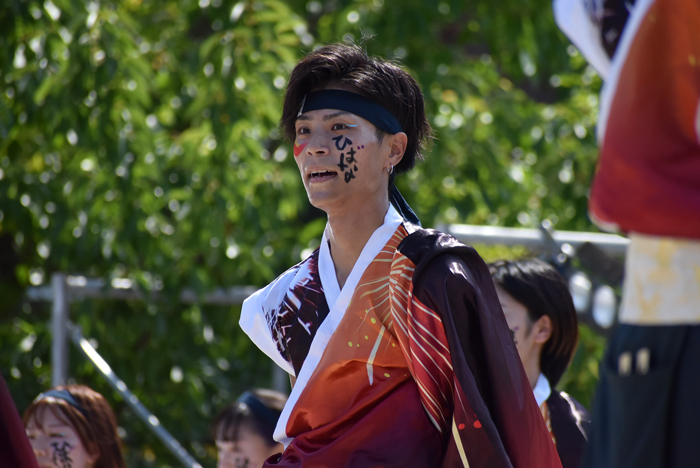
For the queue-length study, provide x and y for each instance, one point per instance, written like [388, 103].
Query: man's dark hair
[542, 290]
[350, 68]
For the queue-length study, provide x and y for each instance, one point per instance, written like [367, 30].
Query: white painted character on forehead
[55, 442]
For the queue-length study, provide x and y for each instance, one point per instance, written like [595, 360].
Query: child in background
[243, 431]
[73, 426]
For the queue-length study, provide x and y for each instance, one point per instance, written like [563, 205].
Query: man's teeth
[322, 173]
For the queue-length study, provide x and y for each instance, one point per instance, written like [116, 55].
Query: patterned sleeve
[492, 418]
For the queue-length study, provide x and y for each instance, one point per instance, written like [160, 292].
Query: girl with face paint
[243, 431]
[73, 427]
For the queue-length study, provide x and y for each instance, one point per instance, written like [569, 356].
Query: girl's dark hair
[94, 422]
[542, 290]
[349, 67]
[239, 414]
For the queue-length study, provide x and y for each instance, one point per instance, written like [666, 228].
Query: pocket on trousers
[638, 417]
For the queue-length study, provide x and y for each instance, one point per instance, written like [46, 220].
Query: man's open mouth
[322, 174]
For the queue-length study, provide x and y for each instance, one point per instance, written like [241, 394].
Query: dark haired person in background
[73, 426]
[243, 431]
[386, 326]
[541, 316]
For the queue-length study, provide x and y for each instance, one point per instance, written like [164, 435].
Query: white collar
[542, 390]
[326, 267]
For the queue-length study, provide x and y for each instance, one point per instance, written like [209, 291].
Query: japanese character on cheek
[340, 144]
[351, 167]
[61, 455]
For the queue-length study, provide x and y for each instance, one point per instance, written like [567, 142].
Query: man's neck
[348, 234]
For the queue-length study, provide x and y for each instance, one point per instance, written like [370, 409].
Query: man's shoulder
[423, 244]
[436, 252]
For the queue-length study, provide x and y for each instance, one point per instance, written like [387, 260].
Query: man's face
[57, 445]
[341, 161]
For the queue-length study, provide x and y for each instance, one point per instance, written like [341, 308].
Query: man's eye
[339, 126]
[302, 130]
[57, 434]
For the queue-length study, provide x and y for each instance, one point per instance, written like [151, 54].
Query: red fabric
[648, 179]
[421, 371]
[389, 430]
[496, 416]
[15, 449]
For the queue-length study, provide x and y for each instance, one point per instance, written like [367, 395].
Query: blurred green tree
[139, 139]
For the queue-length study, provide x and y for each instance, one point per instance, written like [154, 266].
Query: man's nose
[318, 145]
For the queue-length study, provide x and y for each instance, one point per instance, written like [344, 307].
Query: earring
[390, 170]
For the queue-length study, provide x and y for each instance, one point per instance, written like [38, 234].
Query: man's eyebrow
[333, 116]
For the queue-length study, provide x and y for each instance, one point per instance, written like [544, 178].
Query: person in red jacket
[647, 411]
[393, 333]
[14, 446]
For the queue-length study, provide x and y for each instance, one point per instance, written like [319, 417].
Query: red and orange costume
[410, 364]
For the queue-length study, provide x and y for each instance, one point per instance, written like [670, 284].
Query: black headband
[65, 396]
[354, 103]
[268, 416]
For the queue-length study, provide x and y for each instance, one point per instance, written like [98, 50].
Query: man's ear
[542, 329]
[397, 144]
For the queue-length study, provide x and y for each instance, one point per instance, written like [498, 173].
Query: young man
[394, 334]
[541, 316]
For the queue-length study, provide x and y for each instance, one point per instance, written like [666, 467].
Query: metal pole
[59, 320]
[132, 400]
[532, 238]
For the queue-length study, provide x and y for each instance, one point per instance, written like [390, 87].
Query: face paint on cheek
[298, 148]
[61, 455]
[351, 167]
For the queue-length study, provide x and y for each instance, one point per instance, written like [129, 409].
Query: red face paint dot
[298, 148]
[477, 424]
[460, 427]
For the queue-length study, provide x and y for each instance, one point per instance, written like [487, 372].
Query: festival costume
[410, 365]
[647, 411]
[15, 449]
[567, 420]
